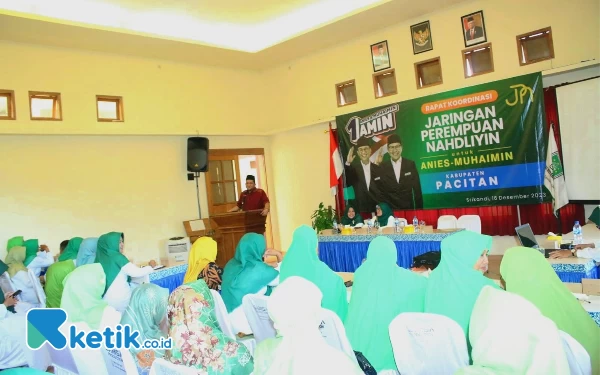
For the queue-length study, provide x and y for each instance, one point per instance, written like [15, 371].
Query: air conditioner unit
[178, 249]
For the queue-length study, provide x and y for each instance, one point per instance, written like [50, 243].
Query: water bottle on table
[335, 226]
[416, 224]
[577, 233]
[369, 226]
[397, 225]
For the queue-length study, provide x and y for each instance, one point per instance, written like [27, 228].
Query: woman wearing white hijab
[511, 336]
[299, 349]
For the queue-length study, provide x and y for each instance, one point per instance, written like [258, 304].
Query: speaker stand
[196, 177]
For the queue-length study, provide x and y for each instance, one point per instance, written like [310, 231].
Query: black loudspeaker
[197, 154]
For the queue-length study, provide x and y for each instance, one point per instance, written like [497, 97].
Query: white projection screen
[579, 116]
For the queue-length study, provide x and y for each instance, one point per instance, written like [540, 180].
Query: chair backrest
[63, 361]
[447, 222]
[403, 220]
[221, 313]
[38, 289]
[470, 222]
[333, 332]
[255, 309]
[579, 359]
[428, 344]
[6, 284]
[163, 367]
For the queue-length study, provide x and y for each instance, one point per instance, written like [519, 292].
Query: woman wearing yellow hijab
[201, 263]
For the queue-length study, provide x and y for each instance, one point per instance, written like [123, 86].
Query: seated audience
[37, 257]
[527, 273]
[13, 349]
[117, 268]
[380, 292]
[63, 246]
[147, 313]
[19, 275]
[510, 336]
[299, 348]
[385, 215]
[82, 300]
[55, 276]
[15, 241]
[87, 252]
[455, 284]
[589, 250]
[301, 260]
[201, 263]
[246, 273]
[351, 217]
[71, 250]
[198, 342]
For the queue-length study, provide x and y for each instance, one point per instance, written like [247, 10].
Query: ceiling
[227, 33]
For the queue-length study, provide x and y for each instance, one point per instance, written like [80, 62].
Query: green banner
[478, 146]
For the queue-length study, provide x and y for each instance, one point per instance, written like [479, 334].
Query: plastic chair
[447, 222]
[579, 359]
[255, 309]
[333, 332]
[428, 344]
[221, 313]
[470, 222]
[163, 367]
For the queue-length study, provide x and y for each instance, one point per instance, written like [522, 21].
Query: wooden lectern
[231, 227]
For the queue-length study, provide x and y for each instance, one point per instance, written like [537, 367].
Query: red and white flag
[336, 167]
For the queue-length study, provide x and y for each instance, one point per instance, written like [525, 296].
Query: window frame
[114, 99]
[56, 105]
[381, 73]
[10, 102]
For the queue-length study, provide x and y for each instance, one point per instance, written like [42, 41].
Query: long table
[169, 277]
[345, 253]
[572, 270]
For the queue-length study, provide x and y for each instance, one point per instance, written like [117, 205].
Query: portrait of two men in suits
[394, 181]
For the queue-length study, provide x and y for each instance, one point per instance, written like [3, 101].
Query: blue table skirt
[348, 256]
[169, 278]
[573, 273]
[595, 316]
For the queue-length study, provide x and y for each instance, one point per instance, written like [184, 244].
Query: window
[223, 181]
[346, 93]
[428, 73]
[109, 108]
[7, 105]
[478, 60]
[535, 46]
[45, 106]
[384, 83]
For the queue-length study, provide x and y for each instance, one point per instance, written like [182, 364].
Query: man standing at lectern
[253, 198]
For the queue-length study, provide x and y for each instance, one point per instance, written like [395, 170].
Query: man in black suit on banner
[363, 176]
[400, 179]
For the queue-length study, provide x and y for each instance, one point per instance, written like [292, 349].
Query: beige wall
[303, 90]
[299, 160]
[57, 187]
[160, 97]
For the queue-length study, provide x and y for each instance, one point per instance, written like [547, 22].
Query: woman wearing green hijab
[19, 275]
[351, 217]
[381, 291]
[82, 301]
[15, 241]
[527, 273]
[301, 260]
[453, 287]
[55, 276]
[147, 314]
[385, 215]
[510, 336]
[37, 257]
[246, 273]
[118, 269]
[71, 250]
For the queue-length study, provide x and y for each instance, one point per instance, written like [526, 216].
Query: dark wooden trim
[545, 35]
[234, 152]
